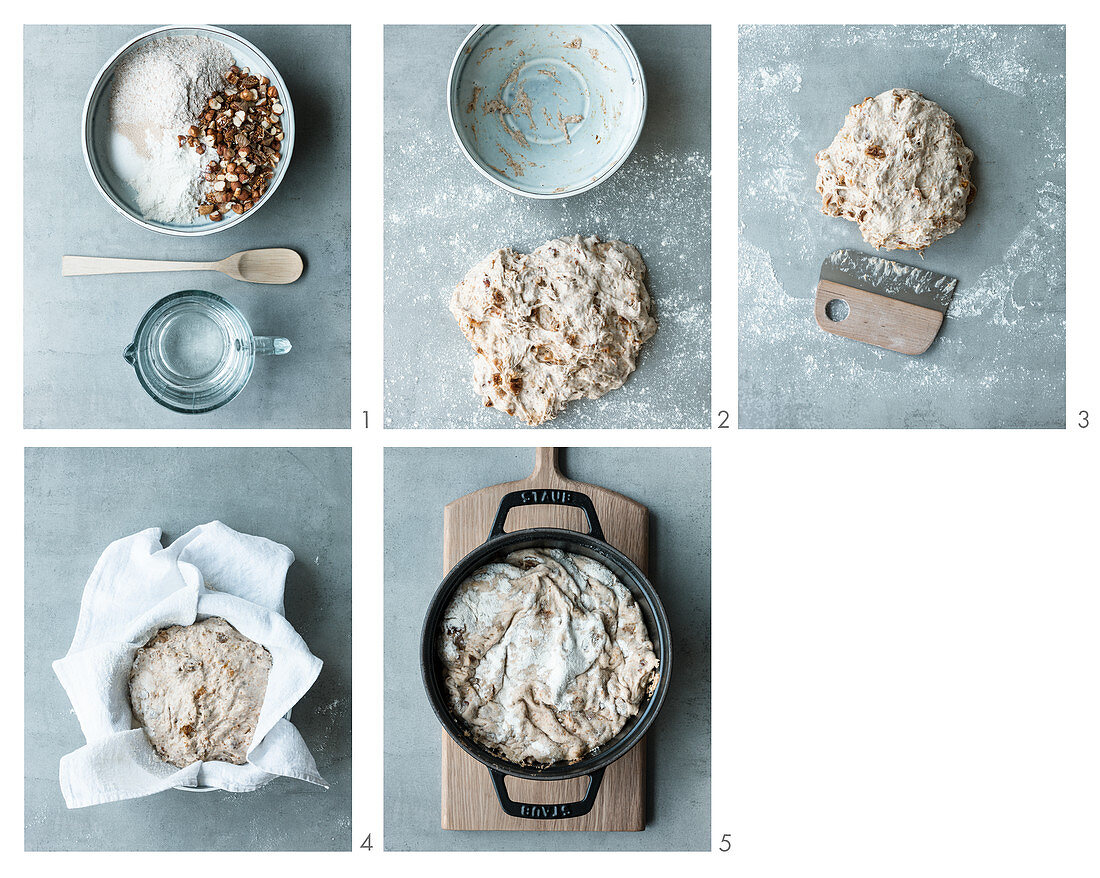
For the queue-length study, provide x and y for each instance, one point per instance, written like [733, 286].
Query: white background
[906, 645]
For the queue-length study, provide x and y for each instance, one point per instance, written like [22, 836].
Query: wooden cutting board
[468, 798]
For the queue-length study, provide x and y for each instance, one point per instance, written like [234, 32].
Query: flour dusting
[442, 217]
[1021, 287]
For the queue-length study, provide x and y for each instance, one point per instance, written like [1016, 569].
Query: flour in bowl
[158, 92]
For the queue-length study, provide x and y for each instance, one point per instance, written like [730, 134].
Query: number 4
[366, 844]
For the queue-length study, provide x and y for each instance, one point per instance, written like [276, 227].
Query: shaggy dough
[197, 691]
[899, 169]
[545, 656]
[565, 322]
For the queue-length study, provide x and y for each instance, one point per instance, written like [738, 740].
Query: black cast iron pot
[592, 545]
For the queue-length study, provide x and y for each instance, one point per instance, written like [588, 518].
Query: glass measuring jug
[193, 351]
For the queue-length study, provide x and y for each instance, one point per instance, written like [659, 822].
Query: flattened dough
[197, 691]
[562, 323]
[545, 656]
[899, 169]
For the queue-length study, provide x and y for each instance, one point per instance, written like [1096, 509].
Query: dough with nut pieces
[899, 169]
[197, 690]
[565, 322]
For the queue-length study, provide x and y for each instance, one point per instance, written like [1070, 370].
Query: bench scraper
[895, 306]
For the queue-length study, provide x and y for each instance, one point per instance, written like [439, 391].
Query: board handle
[547, 812]
[546, 465]
[547, 497]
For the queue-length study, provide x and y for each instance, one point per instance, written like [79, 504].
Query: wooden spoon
[275, 265]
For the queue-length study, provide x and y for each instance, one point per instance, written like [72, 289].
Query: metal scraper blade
[906, 283]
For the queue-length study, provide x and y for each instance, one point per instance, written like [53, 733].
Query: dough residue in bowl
[197, 690]
[545, 656]
[564, 322]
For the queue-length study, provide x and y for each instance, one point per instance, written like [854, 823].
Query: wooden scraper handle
[878, 320]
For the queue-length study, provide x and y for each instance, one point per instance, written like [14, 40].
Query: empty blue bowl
[546, 111]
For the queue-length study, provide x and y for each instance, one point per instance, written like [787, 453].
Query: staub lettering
[546, 812]
[558, 497]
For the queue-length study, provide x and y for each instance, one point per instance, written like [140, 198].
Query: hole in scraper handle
[836, 310]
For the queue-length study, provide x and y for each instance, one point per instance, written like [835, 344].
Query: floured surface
[545, 655]
[197, 690]
[441, 217]
[999, 360]
[564, 322]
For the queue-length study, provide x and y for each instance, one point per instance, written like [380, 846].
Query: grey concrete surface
[75, 329]
[675, 484]
[1000, 358]
[80, 499]
[442, 217]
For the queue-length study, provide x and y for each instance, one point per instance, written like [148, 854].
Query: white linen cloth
[137, 588]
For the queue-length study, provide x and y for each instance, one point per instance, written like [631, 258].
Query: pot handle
[547, 812]
[547, 497]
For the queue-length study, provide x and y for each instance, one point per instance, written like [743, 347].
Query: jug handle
[266, 345]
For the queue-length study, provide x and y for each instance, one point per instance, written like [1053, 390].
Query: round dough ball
[197, 690]
[899, 170]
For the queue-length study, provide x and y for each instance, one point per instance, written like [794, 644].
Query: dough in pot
[545, 656]
[899, 169]
[197, 691]
[564, 322]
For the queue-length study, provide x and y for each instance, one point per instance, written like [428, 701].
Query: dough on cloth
[564, 322]
[899, 169]
[197, 691]
[545, 656]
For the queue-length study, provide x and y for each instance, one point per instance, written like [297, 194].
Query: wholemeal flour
[158, 92]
